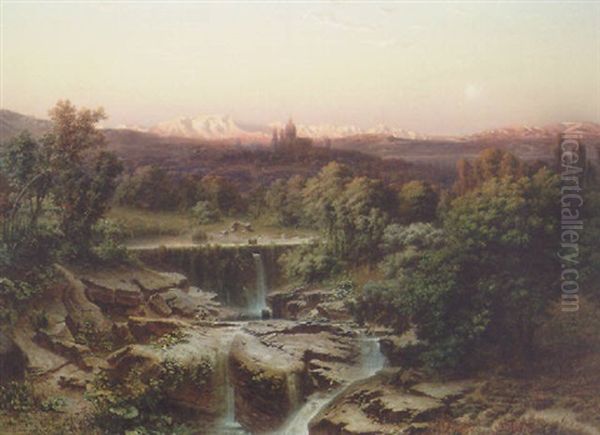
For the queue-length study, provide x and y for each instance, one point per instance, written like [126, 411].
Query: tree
[26, 174]
[222, 193]
[492, 281]
[150, 188]
[360, 219]
[84, 175]
[321, 192]
[418, 202]
[284, 200]
[490, 163]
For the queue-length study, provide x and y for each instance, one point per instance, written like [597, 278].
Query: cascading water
[371, 361]
[257, 302]
[227, 424]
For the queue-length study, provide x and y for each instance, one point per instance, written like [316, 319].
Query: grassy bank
[143, 223]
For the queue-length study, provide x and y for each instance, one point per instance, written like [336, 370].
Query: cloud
[382, 43]
[329, 19]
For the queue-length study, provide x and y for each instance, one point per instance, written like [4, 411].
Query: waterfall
[227, 425]
[293, 392]
[371, 361]
[258, 301]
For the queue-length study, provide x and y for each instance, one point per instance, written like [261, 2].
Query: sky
[433, 67]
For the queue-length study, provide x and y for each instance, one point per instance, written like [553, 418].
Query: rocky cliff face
[276, 364]
[387, 403]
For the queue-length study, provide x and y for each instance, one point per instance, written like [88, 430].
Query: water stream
[257, 302]
[371, 361]
[227, 425]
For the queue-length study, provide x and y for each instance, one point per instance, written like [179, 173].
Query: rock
[113, 290]
[262, 376]
[159, 305]
[13, 361]
[444, 391]
[122, 333]
[180, 302]
[61, 345]
[194, 381]
[81, 312]
[334, 310]
[301, 303]
[144, 328]
[171, 279]
[275, 364]
[377, 406]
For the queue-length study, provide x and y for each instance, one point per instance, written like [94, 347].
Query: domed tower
[290, 131]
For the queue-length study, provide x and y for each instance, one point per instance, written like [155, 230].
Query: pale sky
[431, 67]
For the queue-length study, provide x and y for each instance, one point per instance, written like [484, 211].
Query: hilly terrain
[219, 145]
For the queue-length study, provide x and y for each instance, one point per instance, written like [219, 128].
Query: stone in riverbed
[159, 305]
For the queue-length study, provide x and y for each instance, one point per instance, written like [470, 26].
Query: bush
[16, 396]
[309, 264]
[205, 213]
[380, 303]
[132, 405]
[109, 247]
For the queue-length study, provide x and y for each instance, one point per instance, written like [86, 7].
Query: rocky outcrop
[82, 314]
[127, 286]
[144, 329]
[308, 304]
[379, 405]
[186, 369]
[276, 364]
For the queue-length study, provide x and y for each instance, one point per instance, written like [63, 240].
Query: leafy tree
[360, 219]
[222, 194]
[84, 176]
[150, 188]
[418, 202]
[320, 194]
[284, 200]
[27, 182]
[494, 278]
[490, 163]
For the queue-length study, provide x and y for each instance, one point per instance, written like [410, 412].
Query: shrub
[309, 264]
[205, 212]
[132, 405]
[109, 247]
[16, 396]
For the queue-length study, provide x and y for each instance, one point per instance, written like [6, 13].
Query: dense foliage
[54, 192]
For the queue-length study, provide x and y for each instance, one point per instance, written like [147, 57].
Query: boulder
[81, 312]
[188, 372]
[305, 304]
[159, 305]
[113, 290]
[276, 364]
[265, 380]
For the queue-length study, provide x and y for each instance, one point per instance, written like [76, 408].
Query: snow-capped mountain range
[225, 127]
